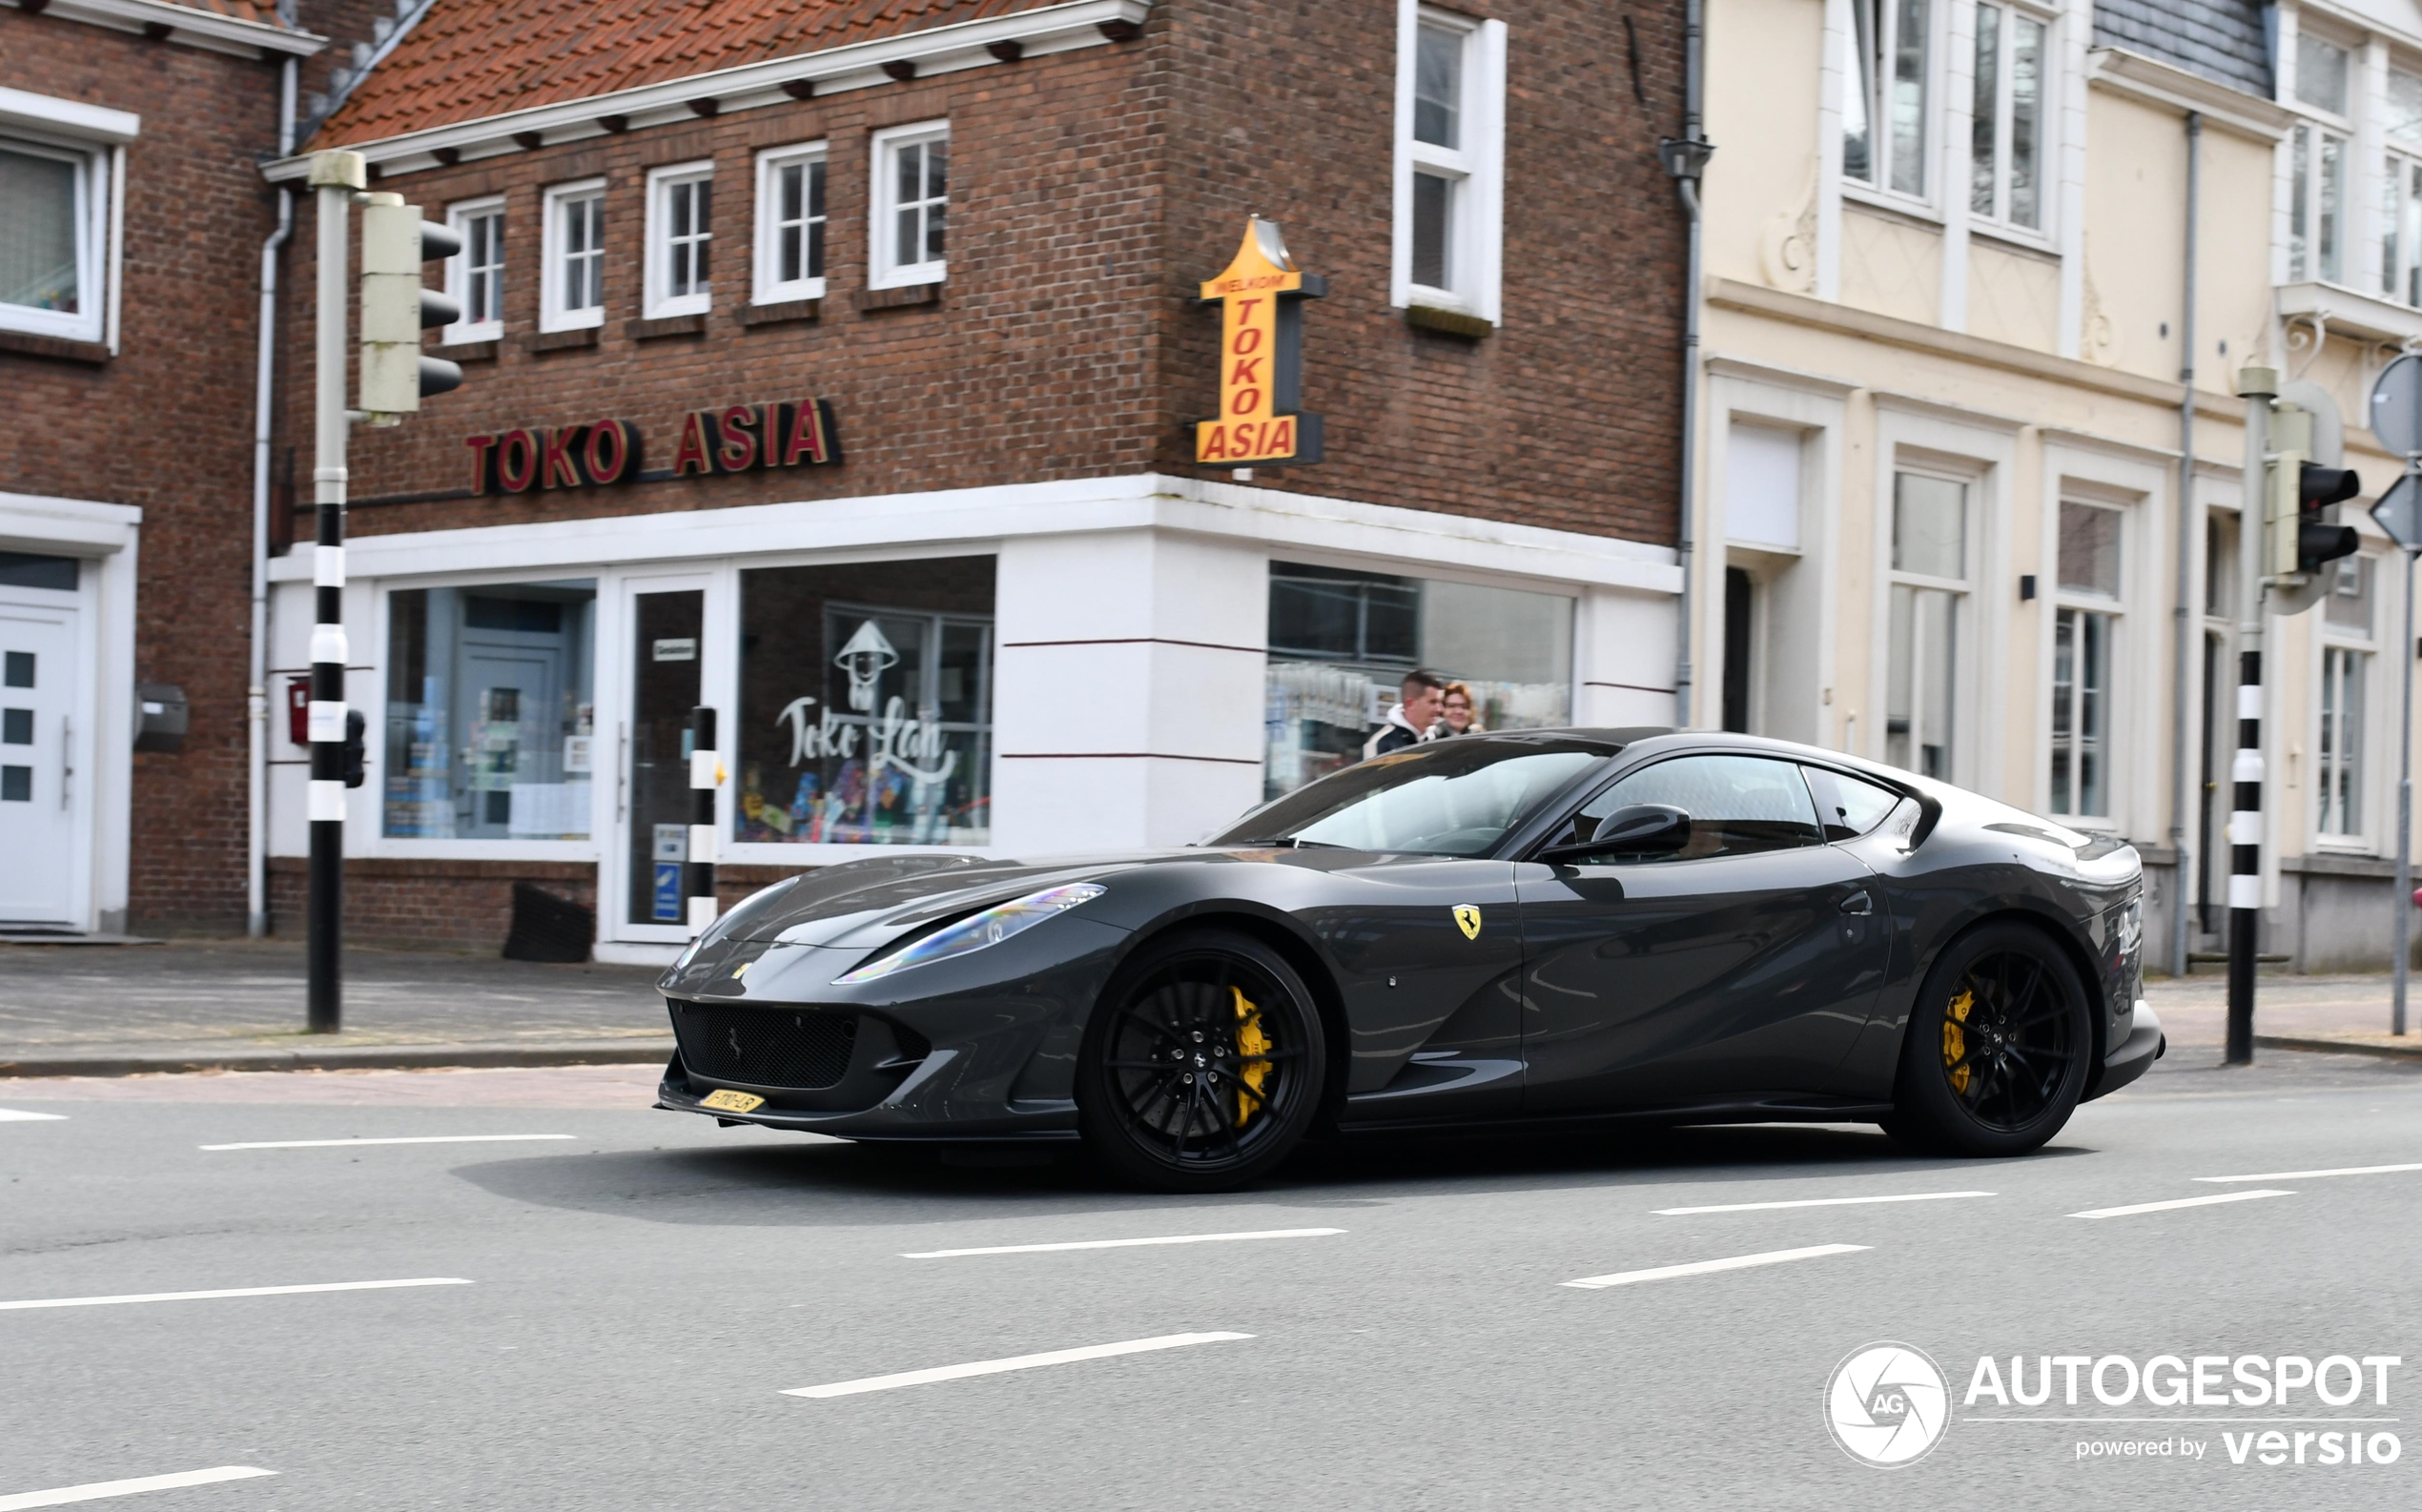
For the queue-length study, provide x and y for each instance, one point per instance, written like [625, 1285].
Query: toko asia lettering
[1261, 295]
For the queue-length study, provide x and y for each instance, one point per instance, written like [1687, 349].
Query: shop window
[53, 197]
[1887, 96]
[1341, 640]
[490, 727]
[2085, 621]
[2006, 157]
[573, 293]
[790, 223]
[1925, 623]
[681, 234]
[1451, 159]
[475, 276]
[912, 204]
[866, 703]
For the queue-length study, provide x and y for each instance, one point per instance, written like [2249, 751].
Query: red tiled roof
[468, 59]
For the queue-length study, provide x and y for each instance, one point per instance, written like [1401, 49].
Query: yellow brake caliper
[1250, 1042]
[1954, 1039]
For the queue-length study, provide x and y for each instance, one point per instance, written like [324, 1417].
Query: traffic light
[2318, 537]
[2302, 528]
[394, 308]
[356, 747]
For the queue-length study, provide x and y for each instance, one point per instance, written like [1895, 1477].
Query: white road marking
[1122, 1244]
[1822, 1202]
[95, 1490]
[417, 1140]
[994, 1367]
[18, 1116]
[235, 1290]
[2179, 1202]
[1737, 1262]
[2305, 1175]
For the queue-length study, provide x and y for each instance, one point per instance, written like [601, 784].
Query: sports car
[1550, 927]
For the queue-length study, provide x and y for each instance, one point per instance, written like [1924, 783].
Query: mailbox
[159, 717]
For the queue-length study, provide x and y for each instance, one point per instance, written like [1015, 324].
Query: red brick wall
[451, 905]
[166, 425]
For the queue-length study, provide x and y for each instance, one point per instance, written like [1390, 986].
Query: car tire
[2000, 1043]
[1203, 1065]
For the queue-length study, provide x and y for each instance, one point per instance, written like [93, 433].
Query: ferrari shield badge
[1468, 919]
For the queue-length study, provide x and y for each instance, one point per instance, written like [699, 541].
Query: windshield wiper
[1294, 843]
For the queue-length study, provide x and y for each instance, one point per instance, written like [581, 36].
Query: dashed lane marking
[233, 1291]
[1735, 1263]
[1122, 1244]
[2306, 1175]
[416, 1140]
[19, 1115]
[2174, 1203]
[1822, 1202]
[994, 1368]
[97, 1490]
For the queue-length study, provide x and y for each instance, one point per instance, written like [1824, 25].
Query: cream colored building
[1944, 507]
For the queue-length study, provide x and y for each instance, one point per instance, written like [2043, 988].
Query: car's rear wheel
[1998, 1047]
[1203, 1064]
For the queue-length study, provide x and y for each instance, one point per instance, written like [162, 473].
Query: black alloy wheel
[1997, 1049]
[1203, 1064]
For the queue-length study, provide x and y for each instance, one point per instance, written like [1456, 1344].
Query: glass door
[667, 646]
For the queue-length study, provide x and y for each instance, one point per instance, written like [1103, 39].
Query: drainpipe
[2190, 534]
[1685, 158]
[264, 394]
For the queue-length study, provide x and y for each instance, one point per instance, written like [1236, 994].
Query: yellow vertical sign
[1253, 354]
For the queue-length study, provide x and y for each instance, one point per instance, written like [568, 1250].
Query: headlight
[989, 928]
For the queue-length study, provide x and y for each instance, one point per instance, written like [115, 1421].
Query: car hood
[863, 904]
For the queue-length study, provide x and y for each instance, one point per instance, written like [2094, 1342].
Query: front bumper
[2145, 1044]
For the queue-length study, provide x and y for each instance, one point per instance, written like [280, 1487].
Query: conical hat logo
[866, 657]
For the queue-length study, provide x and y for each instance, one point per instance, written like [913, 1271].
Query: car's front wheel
[1203, 1065]
[1998, 1047]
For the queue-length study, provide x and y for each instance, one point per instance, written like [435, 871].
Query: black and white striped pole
[2256, 386]
[337, 176]
[706, 775]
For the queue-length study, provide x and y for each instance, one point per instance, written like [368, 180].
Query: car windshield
[1453, 798]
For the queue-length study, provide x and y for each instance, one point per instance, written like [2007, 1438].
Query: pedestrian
[1455, 714]
[1408, 721]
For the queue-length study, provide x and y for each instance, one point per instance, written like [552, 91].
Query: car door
[1745, 962]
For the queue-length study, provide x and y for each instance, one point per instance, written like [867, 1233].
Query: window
[2347, 655]
[53, 217]
[475, 276]
[679, 238]
[490, 728]
[1341, 640]
[911, 205]
[2085, 624]
[866, 703]
[1449, 160]
[1929, 600]
[1887, 95]
[2321, 73]
[790, 225]
[574, 293]
[2318, 165]
[1849, 805]
[1739, 806]
[2401, 191]
[2006, 159]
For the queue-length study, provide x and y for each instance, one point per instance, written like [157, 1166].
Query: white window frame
[2365, 644]
[1476, 167]
[551, 314]
[1996, 219]
[884, 269]
[94, 139]
[2302, 150]
[2066, 600]
[458, 270]
[1966, 653]
[769, 287]
[1934, 116]
[2401, 224]
[658, 303]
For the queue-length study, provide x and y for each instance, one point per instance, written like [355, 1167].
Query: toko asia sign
[1262, 297]
[735, 438]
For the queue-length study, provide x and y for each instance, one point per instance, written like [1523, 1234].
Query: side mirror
[1637, 830]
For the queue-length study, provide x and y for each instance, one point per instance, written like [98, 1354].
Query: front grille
[765, 1047]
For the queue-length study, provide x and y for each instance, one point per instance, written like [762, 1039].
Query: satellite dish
[2329, 431]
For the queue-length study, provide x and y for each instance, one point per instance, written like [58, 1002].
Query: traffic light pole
[2256, 386]
[337, 176]
[2404, 901]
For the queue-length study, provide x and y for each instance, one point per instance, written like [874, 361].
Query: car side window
[1739, 804]
[1849, 807]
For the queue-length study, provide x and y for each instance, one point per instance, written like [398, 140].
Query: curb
[2343, 1047]
[367, 1057]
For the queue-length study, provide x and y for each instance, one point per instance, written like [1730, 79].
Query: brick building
[837, 365]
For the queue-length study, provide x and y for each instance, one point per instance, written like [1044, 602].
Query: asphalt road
[626, 1308]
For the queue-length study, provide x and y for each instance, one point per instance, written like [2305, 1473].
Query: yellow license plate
[729, 1101]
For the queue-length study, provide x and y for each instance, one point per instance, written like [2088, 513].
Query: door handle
[1858, 902]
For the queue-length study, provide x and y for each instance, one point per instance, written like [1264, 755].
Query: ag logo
[1887, 1404]
[1468, 919]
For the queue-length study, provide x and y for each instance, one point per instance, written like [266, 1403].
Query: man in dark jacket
[1408, 723]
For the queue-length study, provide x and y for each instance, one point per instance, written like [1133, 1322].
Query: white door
[37, 784]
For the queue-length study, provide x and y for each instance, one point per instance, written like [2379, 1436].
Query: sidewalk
[237, 1005]
[2345, 1014]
